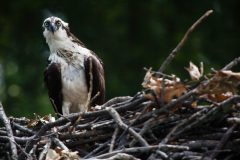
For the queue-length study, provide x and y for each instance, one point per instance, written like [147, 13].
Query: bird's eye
[58, 23]
[46, 24]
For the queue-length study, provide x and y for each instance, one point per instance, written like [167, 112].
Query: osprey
[73, 71]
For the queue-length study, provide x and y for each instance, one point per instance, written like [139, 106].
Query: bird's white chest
[74, 86]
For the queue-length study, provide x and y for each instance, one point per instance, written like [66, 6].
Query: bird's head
[54, 27]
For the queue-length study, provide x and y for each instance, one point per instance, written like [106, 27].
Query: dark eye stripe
[46, 24]
[58, 23]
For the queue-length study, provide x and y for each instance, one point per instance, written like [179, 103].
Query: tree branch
[122, 125]
[6, 123]
[184, 39]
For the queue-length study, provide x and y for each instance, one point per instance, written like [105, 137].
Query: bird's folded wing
[52, 79]
[98, 81]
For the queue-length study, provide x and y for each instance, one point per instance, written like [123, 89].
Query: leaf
[58, 150]
[173, 92]
[147, 79]
[32, 123]
[40, 120]
[52, 155]
[194, 72]
[47, 119]
[168, 88]
[69, 155]
[60, 154]
[221, 86]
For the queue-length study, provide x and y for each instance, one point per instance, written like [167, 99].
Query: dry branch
[122, 125]
[9, 132]
[184, 39]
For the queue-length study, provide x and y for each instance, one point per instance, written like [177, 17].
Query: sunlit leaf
[194, 71]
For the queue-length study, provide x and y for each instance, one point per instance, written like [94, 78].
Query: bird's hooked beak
[52, 27]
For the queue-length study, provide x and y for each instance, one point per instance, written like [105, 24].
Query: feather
[98, 88]
[52, 80]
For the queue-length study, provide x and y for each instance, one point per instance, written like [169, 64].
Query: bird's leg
[65, 108]
[83, 108]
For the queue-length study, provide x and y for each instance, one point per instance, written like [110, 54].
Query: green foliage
[127, 35]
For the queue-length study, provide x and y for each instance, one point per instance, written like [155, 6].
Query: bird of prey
[74, 73]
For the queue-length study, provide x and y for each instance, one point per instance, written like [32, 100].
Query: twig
[113, 139]
[199, 120]
[8, 127]
[19, 140]
[173, 147]
[21, 121]
[83, 134]
[97, 149]
[129, 150]
[199, 144]
[102, 124]
[174, 102]
[46, 147]
[60, 144]
[162, 92]
[122, 125]
[90, 84]
[234, 120]
[233, 63]
[142, 112]
[143, 130]
[121, 156]
[184, 39]
[223, 141]
[117, 100]
[186, 155]
[77, 143]
[144, 150]
[147, 105]
[94, 97]
[180, 125]
[32, 152]
[22, 128]
[220, 106]
[21, 149]
[168, 106]
[163, 155]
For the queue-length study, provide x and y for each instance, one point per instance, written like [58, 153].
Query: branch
[113, 139]
[183, 123]
[129, 150]
[223, 141]
[122, 125]
[144, 150]
[233, 63]
[182, 42]
[60, 144]
[6, 123]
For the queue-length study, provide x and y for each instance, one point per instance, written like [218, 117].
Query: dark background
[127, 35]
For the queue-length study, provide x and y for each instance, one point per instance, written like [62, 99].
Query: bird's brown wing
[98, 81]
[53, 82]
